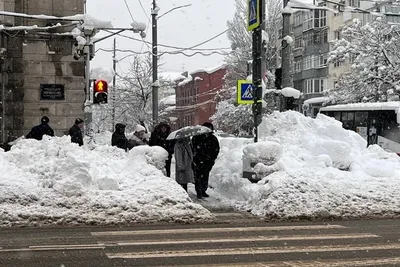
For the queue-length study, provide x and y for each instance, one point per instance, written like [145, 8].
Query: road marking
[217, 230]
[325, 263]
[54, 248]
[229, 214]
[239, 240]
[246, 251]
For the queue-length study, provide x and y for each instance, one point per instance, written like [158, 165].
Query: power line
[182, 48]
[129, 10]
[166, 52]
[144, 10]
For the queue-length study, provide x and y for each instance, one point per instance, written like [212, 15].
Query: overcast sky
[182, 28]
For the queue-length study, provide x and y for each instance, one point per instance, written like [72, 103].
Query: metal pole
[3, 93]
[154, 14]
[258, 69]
[88, 103]
[114, 92]
[286, 52]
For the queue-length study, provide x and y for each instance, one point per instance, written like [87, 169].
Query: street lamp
[155, 84]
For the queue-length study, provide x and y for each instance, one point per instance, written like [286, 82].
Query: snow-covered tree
[374, 52]
[133, 103]
[231, 117]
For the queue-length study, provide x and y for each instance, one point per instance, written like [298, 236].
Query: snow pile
[308, 168]
[56, 182]
[291, 92]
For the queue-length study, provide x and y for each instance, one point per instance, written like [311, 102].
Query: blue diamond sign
[245, 91]
[253, 14]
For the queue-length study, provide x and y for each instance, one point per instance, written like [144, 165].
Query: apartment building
[313, 32]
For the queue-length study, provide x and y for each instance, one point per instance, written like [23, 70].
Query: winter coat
[206, 149]
[136, 141]
[183, 162]
[118, 138]
[158, 138]
[76, 135]
[39, 131]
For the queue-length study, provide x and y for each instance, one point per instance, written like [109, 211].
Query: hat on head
[209, 125]
[139, 128]
[45, 119]
[78, 121]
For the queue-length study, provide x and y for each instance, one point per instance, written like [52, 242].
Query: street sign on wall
[253, 14]
[245, 91]
[52, 92]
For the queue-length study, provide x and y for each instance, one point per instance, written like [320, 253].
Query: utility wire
[129, 10]
[182, 48]
[164, 53]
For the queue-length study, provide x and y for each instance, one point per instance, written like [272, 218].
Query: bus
[377, 123]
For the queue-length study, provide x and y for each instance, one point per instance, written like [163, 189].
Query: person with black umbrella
[206, 149]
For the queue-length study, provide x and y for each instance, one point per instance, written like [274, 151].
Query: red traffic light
[101, 86]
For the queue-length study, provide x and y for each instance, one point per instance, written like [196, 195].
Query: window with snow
[337, 63]
[322, 60]
[297, 64]
[308, 20]
[297, 19]
[319, 18]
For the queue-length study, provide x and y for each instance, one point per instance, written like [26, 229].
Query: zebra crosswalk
[285, 245]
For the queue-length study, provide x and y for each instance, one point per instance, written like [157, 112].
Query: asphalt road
[235, 241]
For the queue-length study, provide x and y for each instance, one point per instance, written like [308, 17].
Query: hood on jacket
[120, 128]
[139, 128]
[163, 124]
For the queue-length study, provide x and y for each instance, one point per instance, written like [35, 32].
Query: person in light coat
[183, 162]
[138, 138]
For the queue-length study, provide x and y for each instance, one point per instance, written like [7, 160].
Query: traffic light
[100, 92]
[278, 78]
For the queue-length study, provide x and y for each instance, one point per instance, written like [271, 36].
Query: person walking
[118, 137]
[183, 163]
[138, 138]
[206, 149]
[76, 132]
[159, 138]
[40, 130]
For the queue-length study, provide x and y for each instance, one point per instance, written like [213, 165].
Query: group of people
[194, 157]
[44, 128]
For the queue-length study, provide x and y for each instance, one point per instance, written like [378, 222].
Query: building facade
[313, 32]
[39, 76]
[196, 96]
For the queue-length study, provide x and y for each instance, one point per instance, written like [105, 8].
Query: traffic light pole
[114, 89]
[258, 69]
[154, 14]
[286, 52]
[88, 91]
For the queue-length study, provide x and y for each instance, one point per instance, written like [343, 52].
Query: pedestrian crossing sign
[245, 92]
[253, 14]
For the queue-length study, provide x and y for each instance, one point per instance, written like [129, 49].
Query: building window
[308, 38]
[337, 63]
[297, 19]
[298, 42]
[354, 3]
[322, 60]
[319, 18]
[337, 35]
[308, 20]
[308, 63]
[297, 64]
[324, 36]
[315, 86]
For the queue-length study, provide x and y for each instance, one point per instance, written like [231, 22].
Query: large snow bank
[56, 182]
[309, 168]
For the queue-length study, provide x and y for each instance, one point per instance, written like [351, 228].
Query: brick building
[39, 75]
[195, 96]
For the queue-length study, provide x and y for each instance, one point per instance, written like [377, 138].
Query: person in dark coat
[206, 150]
[39, 131]
[118, 138]
[76, 132]
[159, 138]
